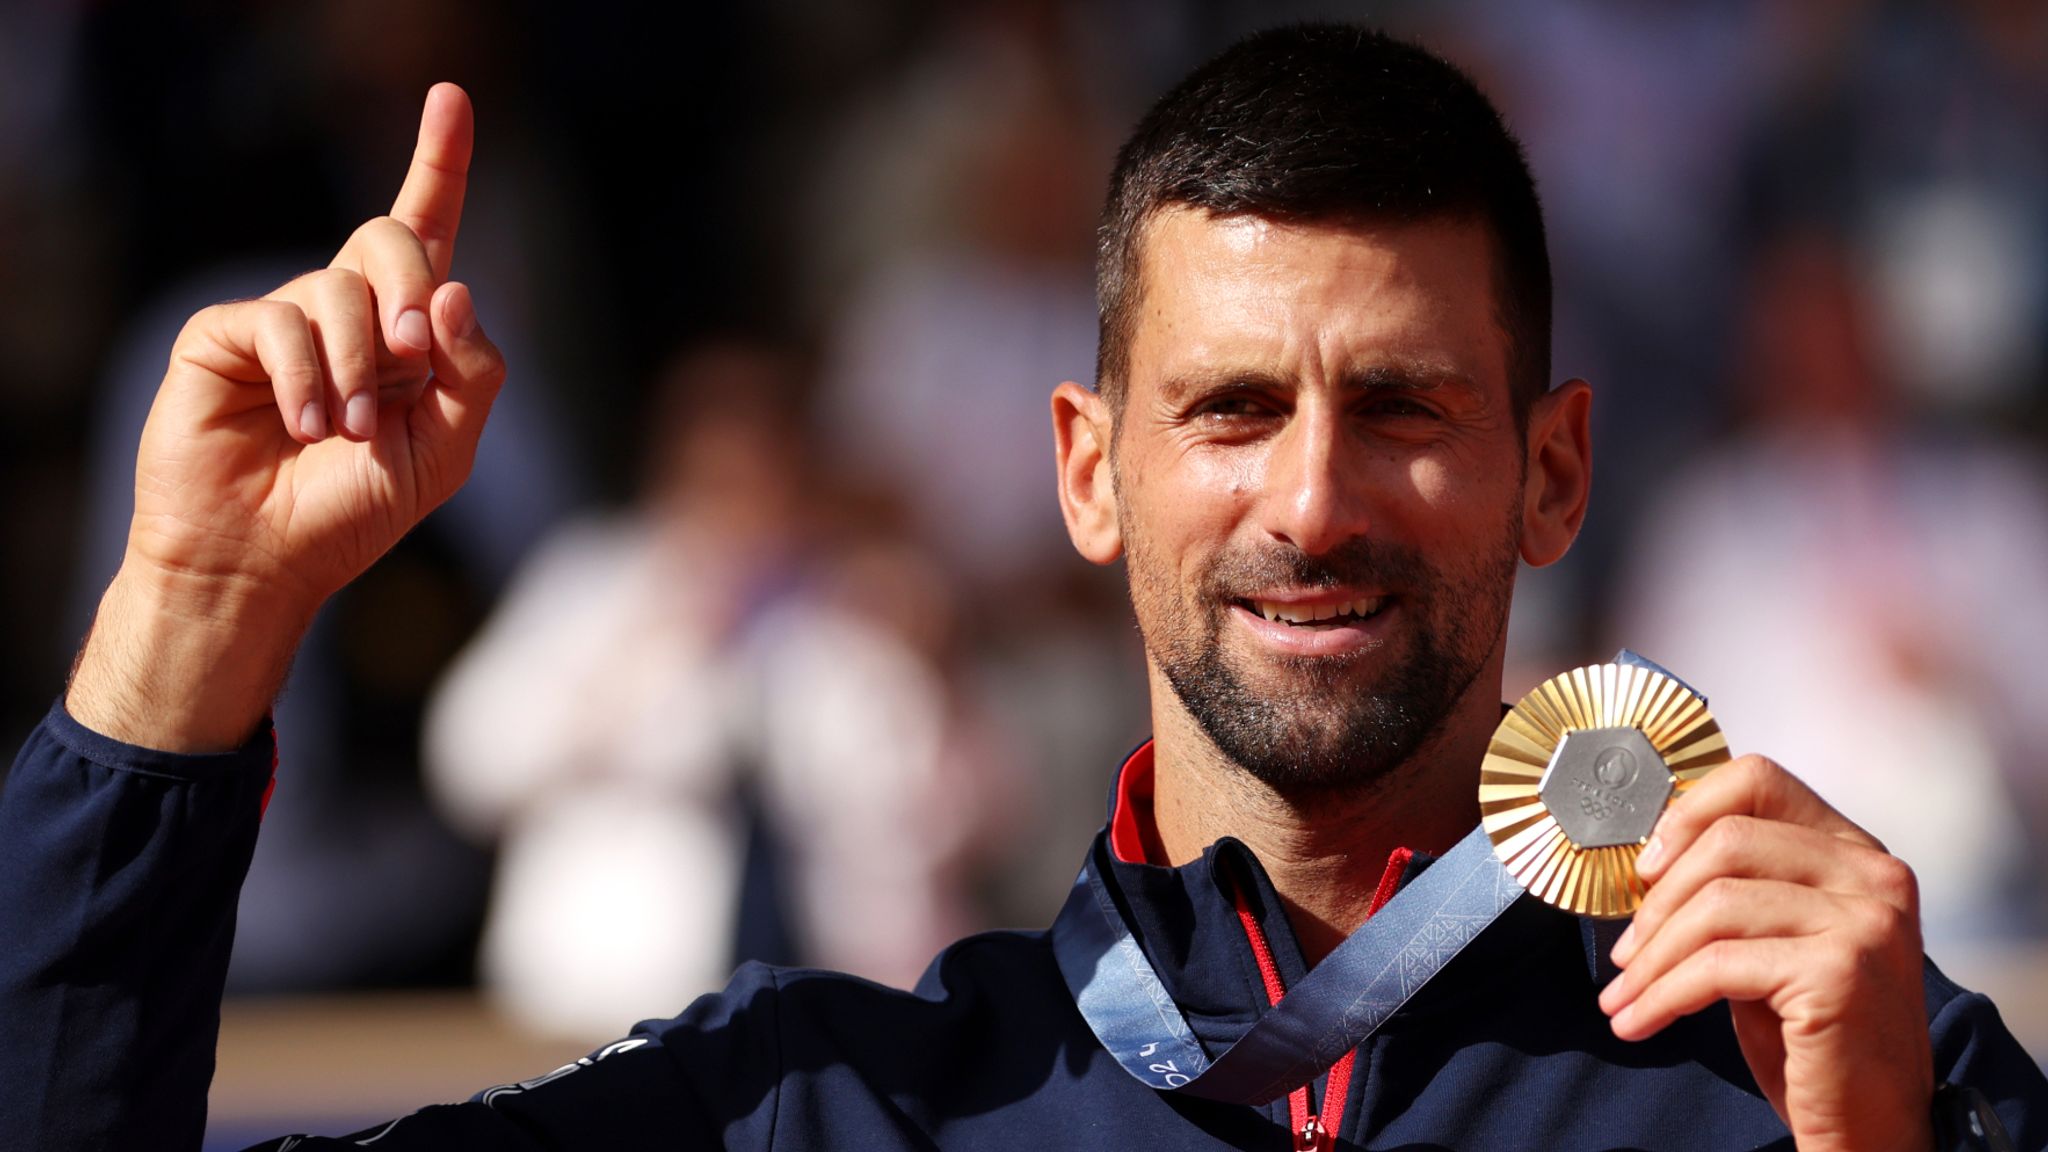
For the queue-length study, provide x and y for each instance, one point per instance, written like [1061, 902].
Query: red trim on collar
[271, 786]
[1133, 783]
[1390, 880]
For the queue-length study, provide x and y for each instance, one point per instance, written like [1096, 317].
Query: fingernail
[362, 415]
[1624, 1020]
[412, 328]
[1651, 854]
[1624, 945]
[462, 315]
[1611, 998]
[313, 421]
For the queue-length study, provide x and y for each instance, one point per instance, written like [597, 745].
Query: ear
[1081, 432]
[1560, 472]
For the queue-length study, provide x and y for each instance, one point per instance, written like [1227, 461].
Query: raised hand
[294, 440]
[1764, 896]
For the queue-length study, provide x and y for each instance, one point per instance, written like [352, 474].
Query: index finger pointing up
[430, 203]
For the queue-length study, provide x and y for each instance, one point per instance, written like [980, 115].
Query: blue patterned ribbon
[1342, 1001]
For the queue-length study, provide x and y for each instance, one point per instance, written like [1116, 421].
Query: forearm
[122, 868]
[183, 664]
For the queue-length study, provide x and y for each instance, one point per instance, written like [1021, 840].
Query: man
[1322, 440]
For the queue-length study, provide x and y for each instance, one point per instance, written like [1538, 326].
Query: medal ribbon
[1341, 1003]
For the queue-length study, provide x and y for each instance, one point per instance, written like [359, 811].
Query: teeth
[1311, 613]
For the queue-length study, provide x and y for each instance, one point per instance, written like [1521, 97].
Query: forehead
[1304, 301]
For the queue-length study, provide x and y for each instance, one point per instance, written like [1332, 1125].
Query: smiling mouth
[1318, 617]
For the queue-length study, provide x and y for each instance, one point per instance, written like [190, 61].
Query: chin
[1285, 742]
[1312, 725]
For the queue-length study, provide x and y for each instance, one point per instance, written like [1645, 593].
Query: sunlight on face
[1319, 480]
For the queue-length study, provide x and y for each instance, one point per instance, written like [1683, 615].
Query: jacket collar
[1186, 919]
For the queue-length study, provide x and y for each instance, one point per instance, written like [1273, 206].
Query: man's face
[1318, 475]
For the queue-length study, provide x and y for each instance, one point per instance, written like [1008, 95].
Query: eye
[1232, 406]
[1399, 407]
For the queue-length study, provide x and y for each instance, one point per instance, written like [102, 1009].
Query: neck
[1325, 851]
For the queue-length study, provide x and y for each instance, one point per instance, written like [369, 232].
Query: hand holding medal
[1753, 891]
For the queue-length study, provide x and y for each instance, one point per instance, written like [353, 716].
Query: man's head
[1322, 435]
[1329, 125]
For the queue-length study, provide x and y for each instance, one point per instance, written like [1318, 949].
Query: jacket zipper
[1311, 1133]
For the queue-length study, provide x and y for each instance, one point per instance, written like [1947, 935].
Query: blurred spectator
[961, 244]
[56, 275]
[951, 340]
[1633, 116]
[1859, 595]
[1921, 131]
[652, 672]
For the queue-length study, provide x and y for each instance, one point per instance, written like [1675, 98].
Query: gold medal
[1578, 773]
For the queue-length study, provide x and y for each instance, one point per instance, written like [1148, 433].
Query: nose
[1315, 495]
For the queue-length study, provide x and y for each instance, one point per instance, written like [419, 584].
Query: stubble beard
[1321, 725]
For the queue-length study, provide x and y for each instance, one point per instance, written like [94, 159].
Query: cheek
[1180, 513]
[1187, 468]
[1198, 495]
[1447, 498]
[1236, 475]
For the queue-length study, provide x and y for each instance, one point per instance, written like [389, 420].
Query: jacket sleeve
[120, 868]
[709, 1078]
[1973, 1048]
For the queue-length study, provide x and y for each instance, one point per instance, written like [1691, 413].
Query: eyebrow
[1415, 376]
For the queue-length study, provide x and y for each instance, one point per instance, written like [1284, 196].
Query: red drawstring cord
[1311, 1132]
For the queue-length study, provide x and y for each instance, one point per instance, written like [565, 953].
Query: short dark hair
[1322, 123]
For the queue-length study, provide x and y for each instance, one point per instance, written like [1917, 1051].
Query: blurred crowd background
[757, 633]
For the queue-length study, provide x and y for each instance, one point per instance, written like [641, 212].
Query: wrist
[183, 663]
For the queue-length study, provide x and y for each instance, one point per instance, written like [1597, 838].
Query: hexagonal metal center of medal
[1606, 786]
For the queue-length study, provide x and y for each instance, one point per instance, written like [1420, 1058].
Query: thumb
[449, 416]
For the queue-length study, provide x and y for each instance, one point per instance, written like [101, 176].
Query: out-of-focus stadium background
[756, 633]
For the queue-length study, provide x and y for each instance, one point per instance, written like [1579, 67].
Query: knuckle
[1715, 959]
[211, 318]
[1727, 838]
[297, 377]
[1894, 881]
[376, 228]
[1721, 894]
[353, 362]
[1836, 965]
[280, 312]
[1885, 924]
[391, 238]
[1753, 764]
[342, 281]
[1761, 775]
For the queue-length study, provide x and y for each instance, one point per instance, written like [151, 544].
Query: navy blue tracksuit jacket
[120, 867]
